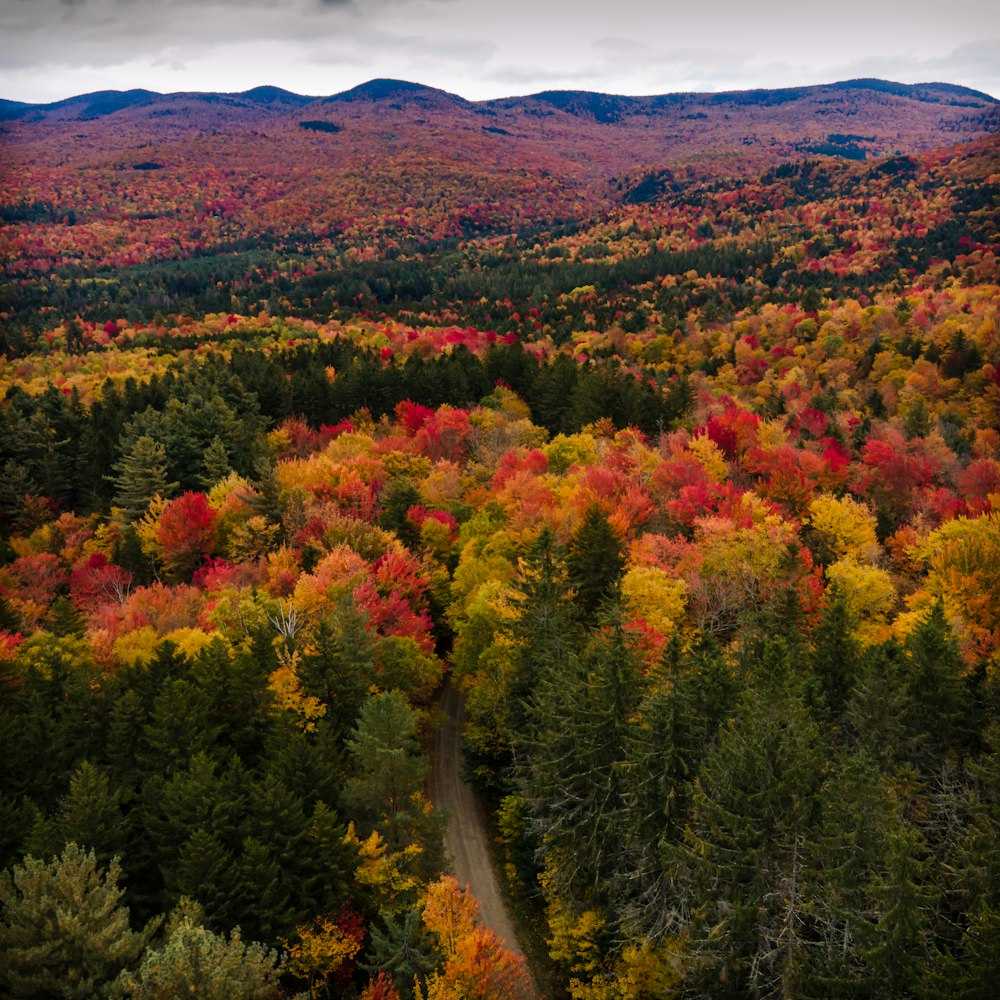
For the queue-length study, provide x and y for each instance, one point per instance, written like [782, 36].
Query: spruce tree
[141, 474]
[594, 562]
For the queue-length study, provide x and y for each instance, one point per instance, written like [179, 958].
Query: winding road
[465, 838]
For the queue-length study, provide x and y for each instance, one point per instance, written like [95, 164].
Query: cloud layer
[480, 48]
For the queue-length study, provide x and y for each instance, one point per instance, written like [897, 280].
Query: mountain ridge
[107, 102]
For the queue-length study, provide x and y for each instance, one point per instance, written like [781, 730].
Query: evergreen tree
[339, 667]
[404, 949]
[835, 662]
[141, 474]
[938, 709]
[91, 816]
[215, 463]
[63, 930]
[192, 961]
[896, 957]
[753, 810]
[64, 619]
[594, 562]
[571, 775]
[386, 767]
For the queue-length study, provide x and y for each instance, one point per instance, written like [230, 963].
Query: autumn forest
[662, 435]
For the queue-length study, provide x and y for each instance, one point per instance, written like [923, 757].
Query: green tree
[63, 930]
[753, 811]
[386, 767]
[594, 561]
[141, 474]
[404, 949]
[192, 961]
[215, 463]
[90, 815]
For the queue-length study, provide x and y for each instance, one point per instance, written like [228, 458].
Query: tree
[186, 534]
[744, 857]
[141, 475]
[91, 816]
[216, 463]
[386, 766]
[192, 961]
[594, 561]
[403, 949]
[571, 772]
[63, 930]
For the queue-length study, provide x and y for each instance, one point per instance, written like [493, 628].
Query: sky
[51, 49]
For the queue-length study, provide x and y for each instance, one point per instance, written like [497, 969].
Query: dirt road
[465, 839]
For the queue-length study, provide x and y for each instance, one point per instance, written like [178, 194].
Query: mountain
[189, 172]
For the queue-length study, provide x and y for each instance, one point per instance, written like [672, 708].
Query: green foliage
[63, 929]
[192, 961]
[141, 475]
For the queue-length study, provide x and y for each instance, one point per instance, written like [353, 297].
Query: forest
[694, 495]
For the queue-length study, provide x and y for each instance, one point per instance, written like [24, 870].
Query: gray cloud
[481, 48]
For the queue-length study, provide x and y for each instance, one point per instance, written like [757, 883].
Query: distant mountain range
[605, 108]
[391, 156]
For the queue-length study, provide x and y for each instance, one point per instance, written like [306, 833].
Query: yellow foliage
[574, 938]
[233, 484]
[963, 562]
[659, 599]
[644, 972]
[148, 526]
[138, 646]
[710, 456]
[565, 451]
[847, 526]
[869, 593]
[252, 539]
[284, 683]
[191, 641]
[383, 871]
[319, 950]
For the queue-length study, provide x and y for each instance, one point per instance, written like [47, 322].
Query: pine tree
[753, 810]
[938, 708]
[90, 815]
[215, 463]
[203, 870]
[64, 619]
[192, 961]
[594, 562]
[835, 662]
[141, 475]
[63, 930]
[895, 959]
[404, 949]
[386, 767]
[571, 774]
[339, 668]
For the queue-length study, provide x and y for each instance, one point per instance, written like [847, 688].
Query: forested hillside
[687, 475]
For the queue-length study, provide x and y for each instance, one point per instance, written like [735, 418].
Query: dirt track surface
[465, 838]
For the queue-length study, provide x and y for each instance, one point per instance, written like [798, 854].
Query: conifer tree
[386, 766]
[215, 463]
[752, 814]
[141, 474]
[192, 961]
[594, 562]
[90, 815]
[63, 929]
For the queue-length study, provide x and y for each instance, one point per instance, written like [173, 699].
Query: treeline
[53, 446]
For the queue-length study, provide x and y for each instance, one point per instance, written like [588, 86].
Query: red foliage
[186, 532]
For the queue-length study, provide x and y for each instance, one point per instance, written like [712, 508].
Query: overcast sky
[50, 49]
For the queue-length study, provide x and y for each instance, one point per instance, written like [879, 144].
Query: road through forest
[465, 838]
